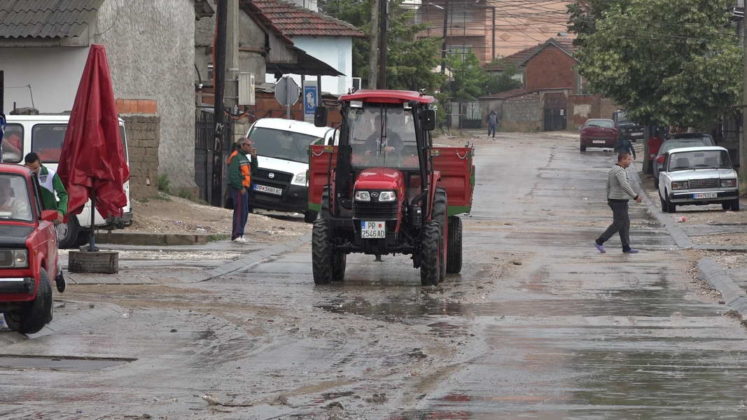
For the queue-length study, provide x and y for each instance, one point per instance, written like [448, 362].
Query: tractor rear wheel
[430, 255]
[454, 252]
[322, 252]
[440, 215]
[35, 314]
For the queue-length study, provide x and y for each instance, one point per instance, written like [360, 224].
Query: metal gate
[555, 112]
[204, 153]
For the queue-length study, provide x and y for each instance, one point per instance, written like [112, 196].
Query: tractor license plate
[373, 230]
[598, 141]
[267, 189]
[705, 195]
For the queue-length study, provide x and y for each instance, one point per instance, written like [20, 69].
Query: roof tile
[46, 18]
[293, 21]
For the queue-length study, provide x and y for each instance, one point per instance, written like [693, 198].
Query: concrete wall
[522, 113]
[150, 45]
[550, 69]
[143, 144]
[583, 107]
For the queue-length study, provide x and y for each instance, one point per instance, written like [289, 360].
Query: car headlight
[387, 196]
[299, 179]
[729, 183]
[19, 258]
[679, 185]
[362, 196]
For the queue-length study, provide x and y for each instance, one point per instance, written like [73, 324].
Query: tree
[583, 15]
[410, 61]
[503, 81]
[468, 78]
[673, 62]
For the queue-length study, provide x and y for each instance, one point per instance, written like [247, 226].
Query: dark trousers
[620, 223]
[240, 212]
[491, 130]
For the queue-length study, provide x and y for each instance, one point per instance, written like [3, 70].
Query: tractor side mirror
[320, 116]
[429, 119]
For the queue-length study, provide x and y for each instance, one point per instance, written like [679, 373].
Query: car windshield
[281, 144]
[708, 159]
[382, 136]
[14, 198]
[677, 143]
[600, 123]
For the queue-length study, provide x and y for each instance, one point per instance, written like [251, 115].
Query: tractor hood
[380, 179]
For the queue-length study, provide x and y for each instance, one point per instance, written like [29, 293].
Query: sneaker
[630, 251]
[240, 240]
[600, 248]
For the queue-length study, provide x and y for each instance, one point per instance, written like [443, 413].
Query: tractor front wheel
[322, 251]
[430, 254]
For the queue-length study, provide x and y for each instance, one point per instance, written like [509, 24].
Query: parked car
[628, 129]
[677, 141]
[28, 251]
[44, 134]
[698, 175]
[279, 182]
[598, 132]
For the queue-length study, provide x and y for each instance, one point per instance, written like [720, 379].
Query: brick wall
[583, 107]
[143, 139]
[550, 69]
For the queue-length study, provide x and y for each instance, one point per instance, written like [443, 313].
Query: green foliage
[503, 81]
[672, 62]
[468, 78]
[583, 14]
[163, 183]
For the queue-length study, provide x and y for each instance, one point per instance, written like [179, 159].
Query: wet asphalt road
[537, 325]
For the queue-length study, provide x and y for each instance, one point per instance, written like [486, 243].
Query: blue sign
[309, 99]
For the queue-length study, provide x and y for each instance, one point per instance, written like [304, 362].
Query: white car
[698, 175]
[279, 182]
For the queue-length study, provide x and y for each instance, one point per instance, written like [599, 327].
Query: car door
[664, 178]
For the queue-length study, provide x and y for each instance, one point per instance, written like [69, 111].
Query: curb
[146, 238]
[709, 269]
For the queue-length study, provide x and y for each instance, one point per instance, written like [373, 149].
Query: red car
[28, 251]
[597, 132]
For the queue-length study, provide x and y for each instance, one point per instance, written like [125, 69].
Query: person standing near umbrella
[239, 180]
[53, 192]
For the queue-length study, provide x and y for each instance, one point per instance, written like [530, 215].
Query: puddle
[397, 309]
[65, 363]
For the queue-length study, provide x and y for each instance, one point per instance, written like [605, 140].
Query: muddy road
[538, 324]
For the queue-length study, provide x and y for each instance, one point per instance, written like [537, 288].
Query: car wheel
[583, 148]
[309, 216]
[34, 315]
[735, 205]
[664, 206]
[67, 233]
[726, 205]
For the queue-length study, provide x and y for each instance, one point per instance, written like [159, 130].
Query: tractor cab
[380, 191]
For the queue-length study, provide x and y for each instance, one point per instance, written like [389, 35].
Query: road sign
[286, 91]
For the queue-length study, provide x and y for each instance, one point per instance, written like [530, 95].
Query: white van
[279, 182]
[44, 134]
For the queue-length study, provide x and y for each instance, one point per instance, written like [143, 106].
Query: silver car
[698, 175]
[678, 140]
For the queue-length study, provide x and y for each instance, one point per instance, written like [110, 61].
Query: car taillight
[660, 159]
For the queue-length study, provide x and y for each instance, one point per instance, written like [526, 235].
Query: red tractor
[386, 190]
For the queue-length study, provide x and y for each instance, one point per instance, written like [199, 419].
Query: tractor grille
[704, 183]
[264, 174]
[375, 210]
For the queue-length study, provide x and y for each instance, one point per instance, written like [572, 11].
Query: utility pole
[219, 68]
[373, 52]
[381, 79]
[446, 34]
[742, 141]
[493, 57]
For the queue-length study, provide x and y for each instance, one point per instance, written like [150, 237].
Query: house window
[458, 50]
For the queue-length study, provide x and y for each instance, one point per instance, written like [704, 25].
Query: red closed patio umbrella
[92, 162]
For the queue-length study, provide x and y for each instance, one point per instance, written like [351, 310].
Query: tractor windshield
[382, 135]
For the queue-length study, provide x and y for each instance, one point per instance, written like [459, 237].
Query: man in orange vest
[239, 181]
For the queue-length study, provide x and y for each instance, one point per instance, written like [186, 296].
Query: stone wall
[143, 138]
[583, 107]
[522, 113]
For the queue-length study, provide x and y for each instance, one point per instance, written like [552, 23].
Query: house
[325, 38]
[553, 95]
[150, 47]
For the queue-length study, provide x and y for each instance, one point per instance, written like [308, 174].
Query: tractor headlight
[679, 185]
[729, 183]
[387, 196]
[362, 196]
[299, 179]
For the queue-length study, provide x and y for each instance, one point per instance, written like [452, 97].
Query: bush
[164, 183]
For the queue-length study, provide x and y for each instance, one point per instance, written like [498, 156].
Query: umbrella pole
[92, 243]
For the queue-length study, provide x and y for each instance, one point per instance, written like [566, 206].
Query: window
[458, 50]
[46, 141]
[280, 144]
[14, 198]
[12, 145]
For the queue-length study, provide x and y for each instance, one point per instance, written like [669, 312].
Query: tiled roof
[295, 21]
[46, 18]
[520, 58]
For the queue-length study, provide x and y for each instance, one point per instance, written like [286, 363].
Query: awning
[305, 65]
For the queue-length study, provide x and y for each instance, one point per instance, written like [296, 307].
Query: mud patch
[60, 363]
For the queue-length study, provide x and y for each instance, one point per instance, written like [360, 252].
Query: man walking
[619, 191]
[239, 181]
[492, 123]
